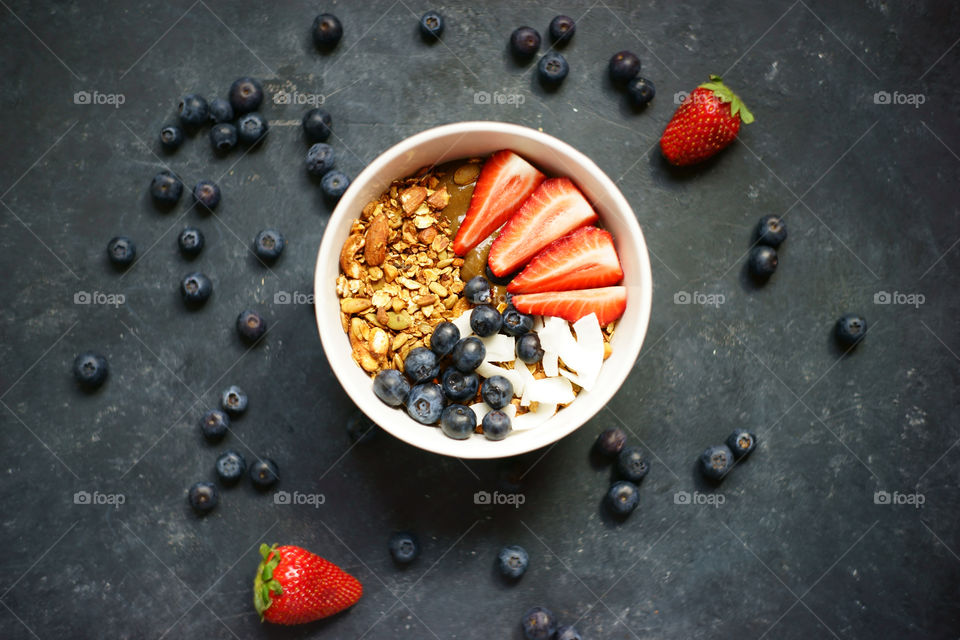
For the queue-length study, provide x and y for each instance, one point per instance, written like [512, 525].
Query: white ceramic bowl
[466, 139]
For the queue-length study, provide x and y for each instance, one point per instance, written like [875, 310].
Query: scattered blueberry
[165, 188]
[631, 465]
[431, 25]
[528, 348]
[741, 442]
[121, 251]
[316, 124]
[562, 29]
[214, 425]
[485, 321]
[771, 230]
[459, 386]
[762, 261]
[553, 68]
[624, 66]
[512, 561]
[251, 128]
[567, 633]
[223, 136]
[334, 184]
[468, 354]
[190, 241]
[251, 326]
[477, 290]
[851, 329]
[264, 473]
[425, 403]
[421, 365]
[458, 422]
[203, 496]
[220, 110]
[320, 159]
[496, 425]
[193, 109]
[496, 391]
[444, 338]
[246, 94]
[234, 400]
[404, 547]
[716, 461]
[623, 497]
[392, 387]
[268, 245]
[538, 623]
[230, 467]
[513, 323]
[610, 442]
[360, 428]
[90, 369]
[327, 31]
[171, 137]
[195, 288]
[207, 193]
[525, 42]
[641, 91]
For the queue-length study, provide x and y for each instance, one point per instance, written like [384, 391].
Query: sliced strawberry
[555, 209]
[505, 181]
[608, 303]
[583, 259]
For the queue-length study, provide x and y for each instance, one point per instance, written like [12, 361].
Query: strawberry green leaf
[264, 584]
[725, 94]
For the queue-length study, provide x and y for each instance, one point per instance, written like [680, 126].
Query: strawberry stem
[264, 584]
[724, 94]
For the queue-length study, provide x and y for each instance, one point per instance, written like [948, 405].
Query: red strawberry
[583, 259]
[555, 209]
[505, 181]
[294, 586]
[706, 122]
[608, 303]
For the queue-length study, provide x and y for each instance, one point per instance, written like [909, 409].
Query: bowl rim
[633, 340]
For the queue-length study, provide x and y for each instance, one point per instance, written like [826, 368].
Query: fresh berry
[632, 465]
[512, 561]
[193, 110]
[171, 137]
[610, 442]
[528, 348]
[203, 496]
[230, 467]
[404, 547]
[468, 354]
[195, 288]
[121, 251]
[220, 110]
[264, 473]
[360, 428]
[165, 188]
[624, 66]
[513, 323]
[268, 245]
[425, 403]
[567, 633]
[477, 290]
[223, 136]
[641, 91]
[485, 321]
[538, 623]
[294, 586]
[496, 391]
[562, 29]
[327, 31]
[214, 425]
[506, 181]
[771, 230]
[584, 259]
[246, 94]
[553, 68]
[716, 461]
[525, 42]
[207, 193]
[458, 421]
[251, 326]
[320, 159]
[496, 425]
[392, 387]
[334, 184]
[421, 365]
[741, 442]
[251, 128]
[190, 241]
[851, 329]
[553, 210]
[623, 497]
[444, 338]
[459, 386]
[705, 123]
[234, 400]
[762, 261]
[431, 25]
[316, 124]
[608, 303]
[90, 369]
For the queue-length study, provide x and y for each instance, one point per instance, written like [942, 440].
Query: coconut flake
[551, 366]
[463, 324]
[527, 379]
[500, 348]
[533, 419]
[551, 391]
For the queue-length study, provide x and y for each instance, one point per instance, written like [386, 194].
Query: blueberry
[485, 321]
[762, 261]
[444, 338]
[458, 421]
[245, 95]
[431, 25]
[553, 68]
[193, 109]
[268, 245]
[404, 547]
[641, 91]
[771, 230]
[568, 633]
[631, 465]
[513, 561]
[741, 442]
[610, 442]
[320, 159]
[495, 279]
[121, 251]
[360, 428]
[392, 387]
[90, 369]
[214, 425]
[538, 623]
[251, 128]
[425, 403]
[203, 496]
[468, 354]
[190, 241]
[525, 42]
[165, 188]
[234, 400]
[624, 66]
[851, 329]
[230, 467]
[207, 193]
[623, 497]
[251, 326]
[562, 29]
[220, 110]
[334, 184]
[528, 348]
[223, 136]
[421, 365]
[264, 473]
[327, 31]
[171, 137]
[316, 124]
[497, 391]
[477, 290]
[195, 288]
[459, 386]
[716, 461]
[496, 425]
[513, 323]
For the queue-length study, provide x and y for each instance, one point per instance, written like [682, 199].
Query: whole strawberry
[705, 123]
[294, 586]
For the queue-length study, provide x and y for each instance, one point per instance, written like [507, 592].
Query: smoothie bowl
[482, 289]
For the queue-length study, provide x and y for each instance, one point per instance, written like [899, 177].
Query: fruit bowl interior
[553, 157]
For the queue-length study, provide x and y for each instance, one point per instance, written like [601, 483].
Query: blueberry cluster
[624, 68]
[717, 461]
[630, 469]
[539, 623]
[321, 157]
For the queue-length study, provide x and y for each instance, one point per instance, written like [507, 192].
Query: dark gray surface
[798, 549]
